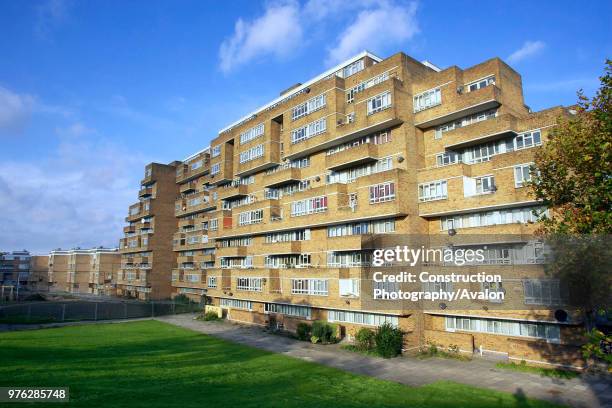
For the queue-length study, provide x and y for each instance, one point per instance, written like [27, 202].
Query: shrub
[303, 331]
[314, 339]
[365, 339]
[182, 299]
[324, 331]
[211, 316]
[389, 341]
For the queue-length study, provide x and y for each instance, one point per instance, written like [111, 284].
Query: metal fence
[91, 310]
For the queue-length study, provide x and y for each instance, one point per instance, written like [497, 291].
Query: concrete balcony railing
[282, 177]
[234, 191]
[231, 251]
[457, 105]
[364, 153]
[185, 171]
[188, 187]
[193, 203]
[129, 229]
[350, 243]
[145, 192]
[480, 132]
[279, 248]
[185, 259]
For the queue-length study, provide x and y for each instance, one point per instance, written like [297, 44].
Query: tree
[574, 168]
[572, 176]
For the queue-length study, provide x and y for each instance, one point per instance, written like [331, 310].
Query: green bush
[182, 299]
[388, 340]
[303, 331]
[211, 316]
[364, 340]
[325, 332]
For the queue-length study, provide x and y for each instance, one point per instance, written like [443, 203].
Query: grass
[355, 349]
[154, 364]
[434, 351]
[544, 372]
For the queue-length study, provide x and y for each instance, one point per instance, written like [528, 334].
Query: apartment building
[39, 273]
[58, 270]
[147, 258]
[83, 271]
[278, 218]
[103, 271]
[14, 268]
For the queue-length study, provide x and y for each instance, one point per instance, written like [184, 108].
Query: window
[542, 292]
[447, 158]
[310, 130]
[370, 319]
[522, 175]
[358, 228]
[291, 236]
[350, 94]
[352, 69]
[353, 173]
[236, 304]
[528, 139]
[481, 83]
[545, 331]
[315, 287]
[213, 224]
[287, 261]
[348, 259]
[237, 262]
[465, 121]
[197, 165]
[215, 169]
[252, 154]
[487, 218]
[349, 287]
[382, 192]
[376, 138]
[215, 151]
[250, 217]
[427, 99]
[432, 287]
[306, 108]
[290, 310]
[350, 118]
[494, 287]
[249, 284]
[435, 190]
[379, 103]
[252, 133]
[308, 206]
[485, 185]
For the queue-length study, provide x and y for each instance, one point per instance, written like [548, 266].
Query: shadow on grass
[154, 364]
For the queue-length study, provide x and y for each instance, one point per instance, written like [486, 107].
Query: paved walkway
[586, 391]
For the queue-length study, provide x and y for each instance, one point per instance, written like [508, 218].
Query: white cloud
[76, 196]
[529, 49]
[277, 32]
[15, 111]
[387, 23]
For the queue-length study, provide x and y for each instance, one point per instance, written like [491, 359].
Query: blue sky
[90, 91]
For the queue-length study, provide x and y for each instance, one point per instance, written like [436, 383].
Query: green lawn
[154, 364]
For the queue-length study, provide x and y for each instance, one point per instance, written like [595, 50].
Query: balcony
[188, 187]
[193, 203]
[186, 171]
[281, 177]
[145, 192]
[482, 132]
[231, 251]
[234, 191]
[280, 248]
[457, 105]
[364, 153]
[129, 229]
[339, 131]
[351, 243]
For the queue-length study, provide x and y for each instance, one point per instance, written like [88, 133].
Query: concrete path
[586, 391]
